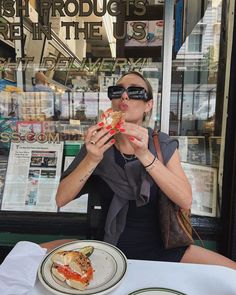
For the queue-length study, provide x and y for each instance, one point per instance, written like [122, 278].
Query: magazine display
[32, 178]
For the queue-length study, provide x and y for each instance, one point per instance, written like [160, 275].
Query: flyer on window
[203, 181]
[78, 205]
[32, 178]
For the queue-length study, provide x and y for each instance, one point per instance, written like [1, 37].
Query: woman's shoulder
[163, 137]
[168, 145]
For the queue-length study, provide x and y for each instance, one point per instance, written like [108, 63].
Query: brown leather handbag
[175, 224]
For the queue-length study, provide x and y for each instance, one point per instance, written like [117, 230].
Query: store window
[42, 131]
[196, 105]
[195, 43]
[62, 91]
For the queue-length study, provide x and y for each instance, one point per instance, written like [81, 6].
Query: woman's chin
[130, 120]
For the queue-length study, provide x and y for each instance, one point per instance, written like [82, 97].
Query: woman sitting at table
[113, 164]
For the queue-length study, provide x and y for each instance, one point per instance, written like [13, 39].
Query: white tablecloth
[191, 279]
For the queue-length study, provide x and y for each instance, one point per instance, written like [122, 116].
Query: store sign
[74, 30]
[41, 137]
[67, 64]
[29, 137]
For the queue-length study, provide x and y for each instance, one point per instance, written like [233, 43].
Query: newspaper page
[32, 178]
[196, 150]
[192, 149]
[214, 146]
[79, 205]
[204, 188]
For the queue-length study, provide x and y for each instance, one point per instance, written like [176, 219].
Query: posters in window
[24, 127]
[192, 149]
[153, 33]
[196, 150]
[32, 178]
[214, 147]
[203, 181]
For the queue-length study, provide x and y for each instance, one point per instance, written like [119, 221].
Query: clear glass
[53, 89]
[193, 110]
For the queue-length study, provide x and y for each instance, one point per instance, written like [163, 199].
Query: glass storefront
[65, 61]
[43, 117]
[196, 104]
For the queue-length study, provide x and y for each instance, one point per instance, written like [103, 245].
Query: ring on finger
[92, 142]
[94, 133]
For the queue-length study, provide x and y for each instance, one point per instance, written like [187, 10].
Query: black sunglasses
[134, 92]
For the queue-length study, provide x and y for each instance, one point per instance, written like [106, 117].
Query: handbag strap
[157, 146]
[160, 158]
[159, 155]
[193, 229]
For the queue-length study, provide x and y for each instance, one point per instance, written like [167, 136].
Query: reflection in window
[195, 43]
[196, 106]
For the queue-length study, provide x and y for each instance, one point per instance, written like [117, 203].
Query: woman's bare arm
[71, 185]
[171, 179]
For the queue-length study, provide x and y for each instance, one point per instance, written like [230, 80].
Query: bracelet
[151, 166]
[150, 163]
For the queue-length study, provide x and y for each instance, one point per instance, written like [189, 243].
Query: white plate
[108, 262]
[156, 291]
